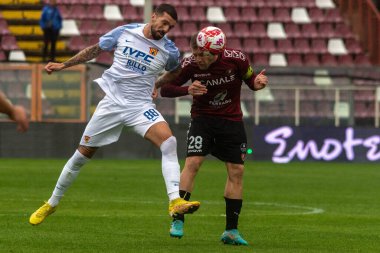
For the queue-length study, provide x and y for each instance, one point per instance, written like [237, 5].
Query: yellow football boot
[44, 211]
[181, 206]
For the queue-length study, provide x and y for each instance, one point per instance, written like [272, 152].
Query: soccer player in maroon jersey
[216, 125]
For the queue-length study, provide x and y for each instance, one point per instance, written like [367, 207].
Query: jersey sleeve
[108, 41]
[173, 60]
[175, 88]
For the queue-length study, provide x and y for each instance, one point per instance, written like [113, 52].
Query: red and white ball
[211, 39]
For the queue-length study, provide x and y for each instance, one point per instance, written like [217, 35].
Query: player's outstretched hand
[261, 81]
[197, 88]
[19, 116]
[54, 66]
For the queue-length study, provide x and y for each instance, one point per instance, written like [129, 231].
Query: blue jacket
[51, 17]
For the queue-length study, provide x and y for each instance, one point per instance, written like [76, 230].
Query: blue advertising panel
[286, 144]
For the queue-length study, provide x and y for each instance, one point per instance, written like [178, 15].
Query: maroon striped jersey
[223, 80]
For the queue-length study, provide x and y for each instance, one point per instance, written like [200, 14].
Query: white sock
[68, 175]
[170, 167]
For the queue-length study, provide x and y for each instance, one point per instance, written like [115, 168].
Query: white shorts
[109, 119]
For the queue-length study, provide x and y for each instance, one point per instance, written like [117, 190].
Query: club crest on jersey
[153, 51]
[87, 138]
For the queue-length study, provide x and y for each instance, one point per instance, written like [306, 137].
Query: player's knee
[169, 146]
[87, 151]
[236, 172]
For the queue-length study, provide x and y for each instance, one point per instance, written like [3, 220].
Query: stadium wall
[280, 144]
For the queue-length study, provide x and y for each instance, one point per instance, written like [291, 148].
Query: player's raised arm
[83, 56]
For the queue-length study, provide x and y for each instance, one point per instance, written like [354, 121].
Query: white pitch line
[307, 210]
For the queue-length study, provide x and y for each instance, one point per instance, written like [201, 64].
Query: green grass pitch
[121, 206]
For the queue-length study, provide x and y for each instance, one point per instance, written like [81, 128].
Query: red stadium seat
[9, 42]
[345, 60]
[267, 45]
[316, 15]
[234, 43]
[232, 14]
[105, 58]
[189, 28]
[88, 27]
[258, 30]
[131, 14]
[282, 15]
[3, 57]
[4, 27]
[260, 59]
[309, 31]
[292, 30]
[294, 59]
[265, 14]
[311, 60]
[353, 46]
[197, 13]
[249, 14]
[318, 46]
[302, 45]
[241, 30]
[333, 15]
[326, 30]
[77, 43]
[285, 46]
[328, 60]
[250, 45]
[227, 29]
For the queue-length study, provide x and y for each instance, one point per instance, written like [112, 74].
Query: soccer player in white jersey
[142, 52]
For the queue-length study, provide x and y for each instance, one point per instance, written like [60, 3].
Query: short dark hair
[193, 41]
[169, 9]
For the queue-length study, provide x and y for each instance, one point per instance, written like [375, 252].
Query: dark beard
[155, 34]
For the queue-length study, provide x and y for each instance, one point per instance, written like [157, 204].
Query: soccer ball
[211, 39]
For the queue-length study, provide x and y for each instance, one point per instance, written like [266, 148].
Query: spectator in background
[51, 24]
[15, 112]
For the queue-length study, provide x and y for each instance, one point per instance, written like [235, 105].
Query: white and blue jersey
[137, 63]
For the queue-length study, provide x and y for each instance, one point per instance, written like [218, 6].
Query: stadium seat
[4, 27]
[326, 30]
[309, 31]
[276, 31]
[95, 12]
[256, 3]
[69, 28]
[343, 31]
[16, 55]
[227, 29]
[277, 60]
[294, 59]
[215, 14]
[300, 15]
[9, 42]
[292, 30]
[234, 43]
[336, 46]
[183, 44]
[328, 60]
[345, 60]
[325, 4]
[260, 59]
[182, 12]
[233, 14]
[112, 12]
[311, 60]
[258, 30]
[88, 27]
[189, 28]
[241, 30]
[77, 43]
[197, 13]
[267, 45]
[318, 45]
[250, 45]
[302, 45]
[249, 14]
[131, 14]
[353, 46]
[265, 14]
[282, 15]
[285, 46]
[362, 60]
[3, 57]
[316, 15]
[333, 15]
